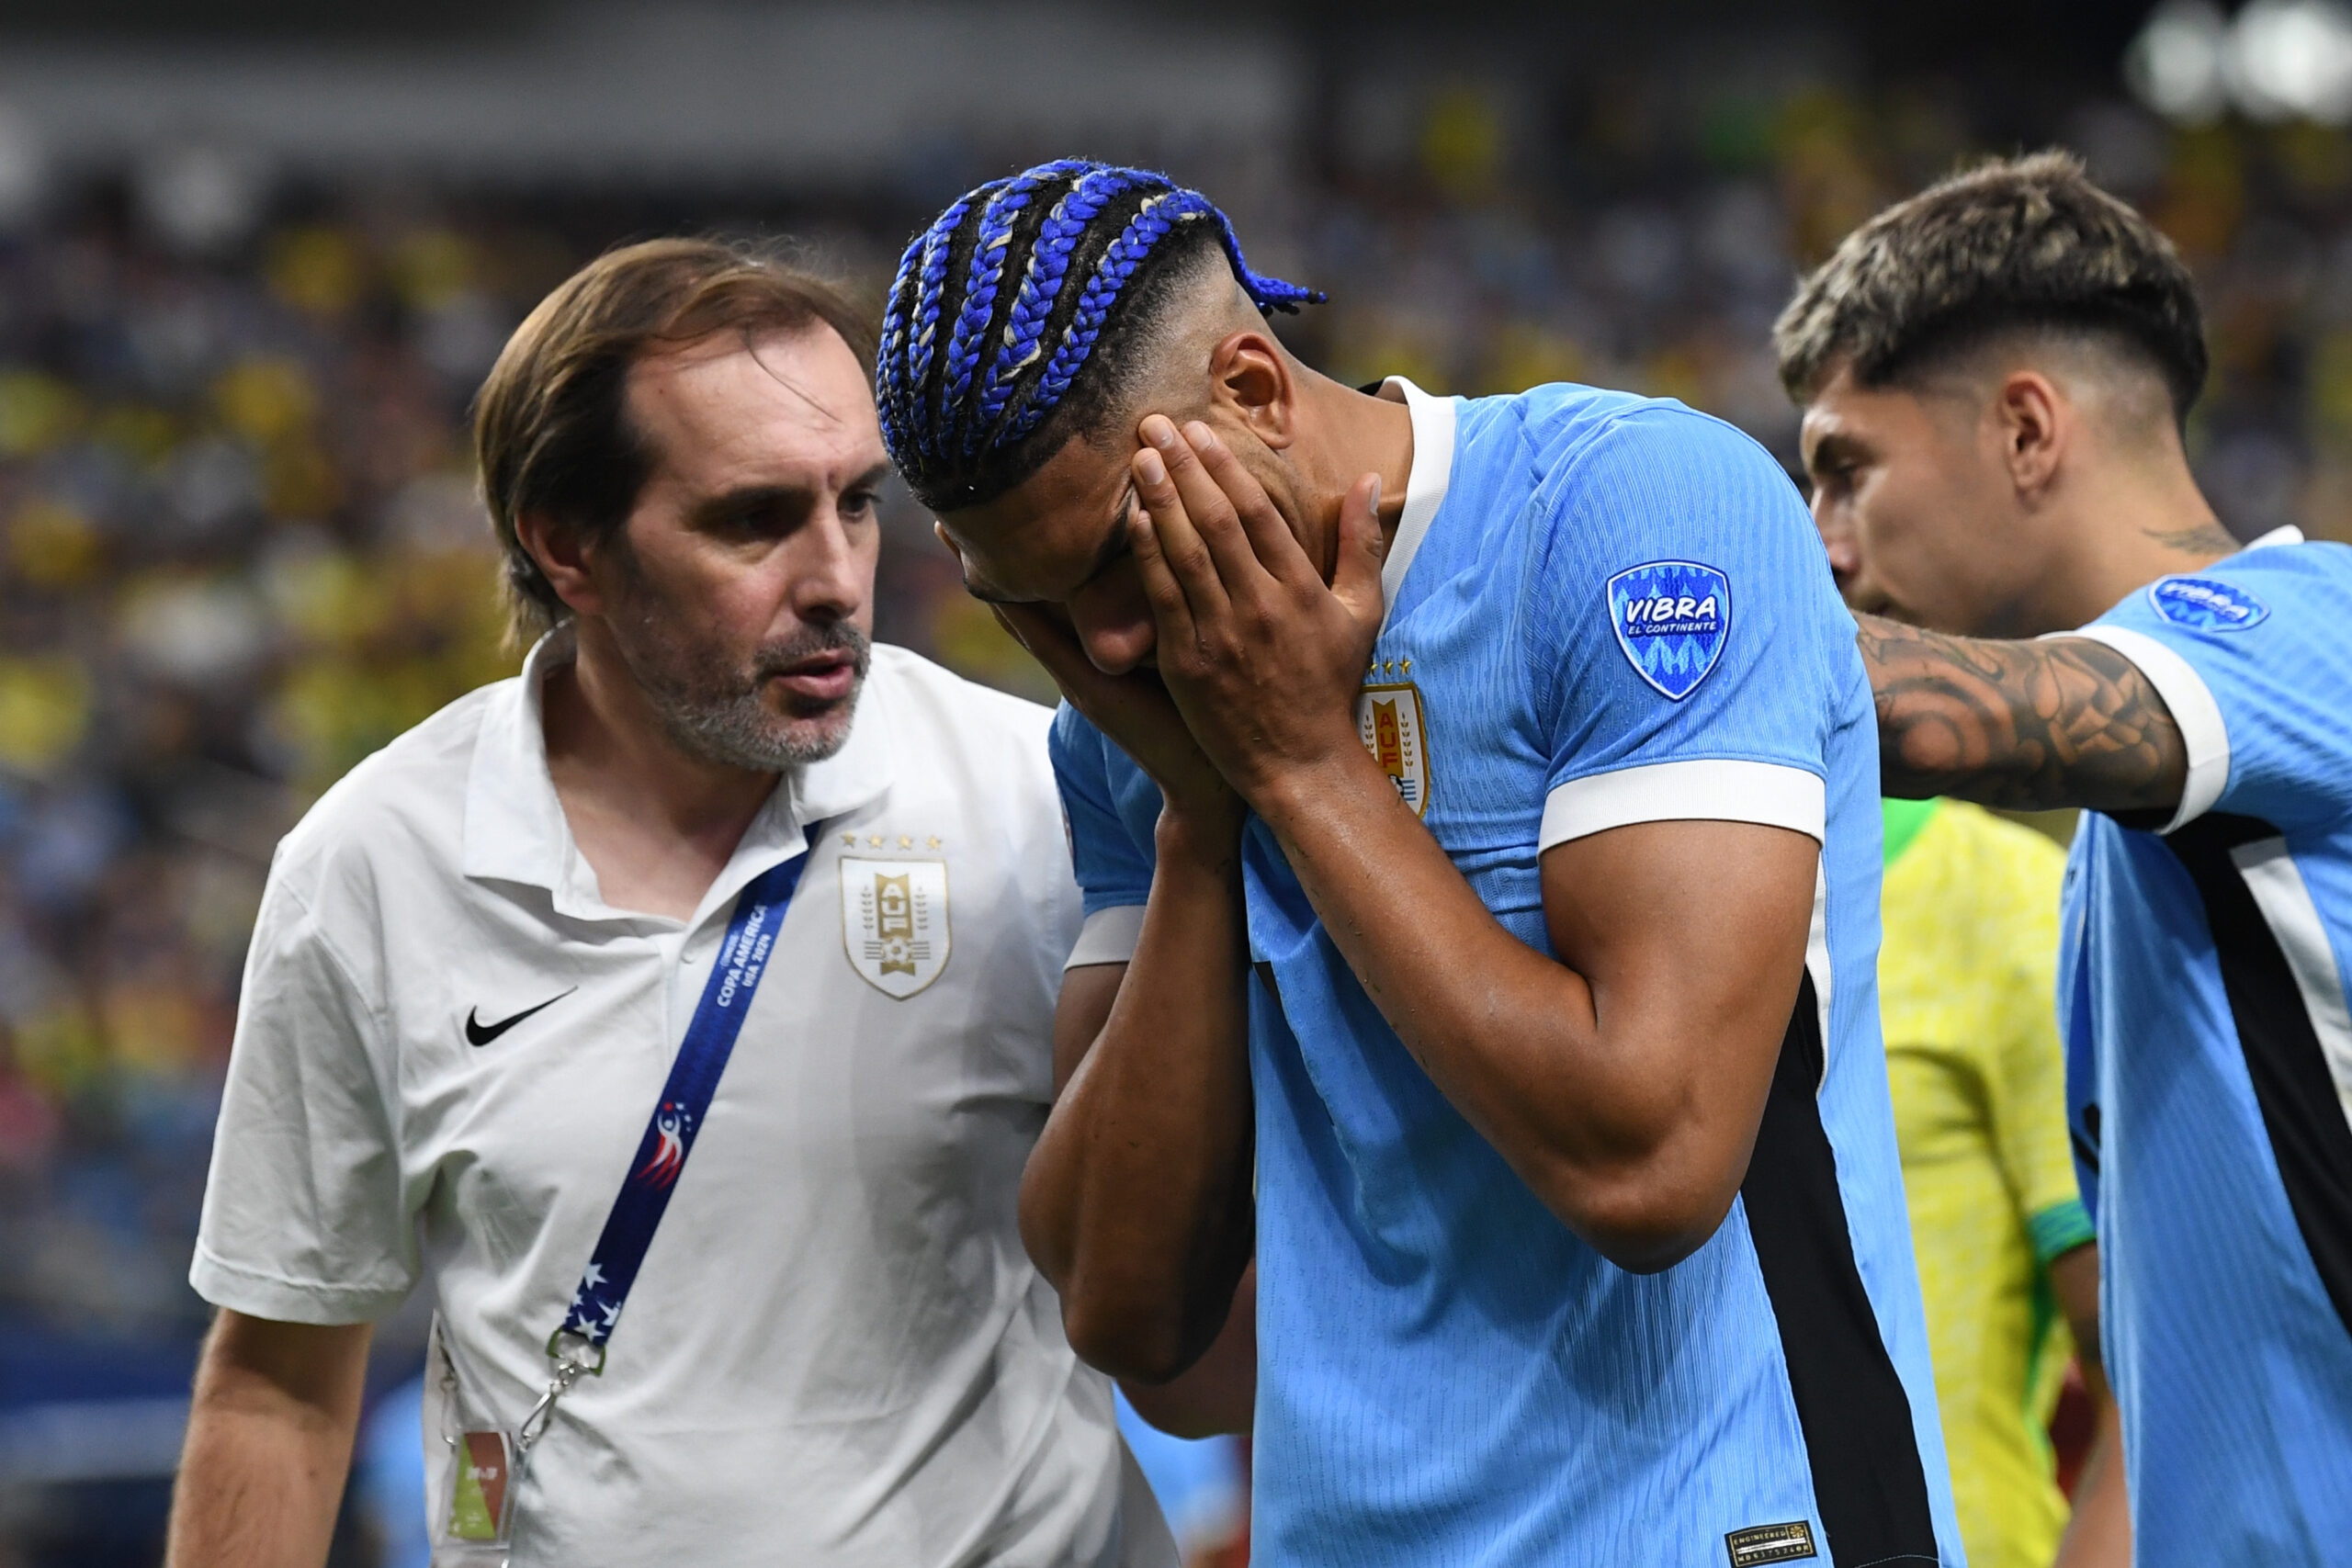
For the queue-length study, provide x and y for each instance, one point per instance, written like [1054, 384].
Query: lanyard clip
[573, 1358]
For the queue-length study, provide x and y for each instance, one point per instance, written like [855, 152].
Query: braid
[1150, 224]
[989, 248]
[930, 289]
[1049, 260]
[889, 363]
[966, 418]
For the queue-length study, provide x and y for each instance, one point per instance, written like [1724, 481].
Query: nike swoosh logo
[480, 1034]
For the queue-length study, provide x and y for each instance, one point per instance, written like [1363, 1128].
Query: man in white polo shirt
[707, 971]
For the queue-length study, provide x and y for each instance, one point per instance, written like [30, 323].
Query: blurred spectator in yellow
[1967, 973]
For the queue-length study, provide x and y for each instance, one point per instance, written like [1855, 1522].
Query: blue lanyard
[685, 1099]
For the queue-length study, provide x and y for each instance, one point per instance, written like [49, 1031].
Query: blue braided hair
[1000, 308]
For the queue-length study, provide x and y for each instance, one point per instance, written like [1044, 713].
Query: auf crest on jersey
[894, 920]
[1394, 729]
[1671, 617]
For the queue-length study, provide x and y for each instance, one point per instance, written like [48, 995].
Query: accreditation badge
[470, 1492]
[482, 1488]
[1392, 727]
[894, 921]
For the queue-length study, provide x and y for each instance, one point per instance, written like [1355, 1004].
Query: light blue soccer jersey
[2210, 1067]
[1602, 610]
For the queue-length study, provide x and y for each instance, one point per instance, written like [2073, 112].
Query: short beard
[715, 712]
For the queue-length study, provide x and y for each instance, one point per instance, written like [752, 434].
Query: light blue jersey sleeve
[2253, 657]
[1685, 644]
[1113, 866]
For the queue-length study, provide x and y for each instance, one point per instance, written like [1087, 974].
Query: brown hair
[551, 428]
[2016, 243]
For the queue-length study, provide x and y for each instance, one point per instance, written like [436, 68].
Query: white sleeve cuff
[1109, 936]
[258, 1293]
[1772, 794]
[2203, 734]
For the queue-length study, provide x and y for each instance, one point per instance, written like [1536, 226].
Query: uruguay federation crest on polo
[1671, 617]
[894, 921]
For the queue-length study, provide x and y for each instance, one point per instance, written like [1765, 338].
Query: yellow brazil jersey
[1966, 977]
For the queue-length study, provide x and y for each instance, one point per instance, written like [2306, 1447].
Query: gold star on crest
[905, 842]
[874, 840]
[849, 840]
[934, 840]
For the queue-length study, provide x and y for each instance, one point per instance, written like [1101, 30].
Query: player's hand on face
[1135, 711]
[1262, 659]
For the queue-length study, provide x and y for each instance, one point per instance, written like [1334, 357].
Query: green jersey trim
[2059, 1229]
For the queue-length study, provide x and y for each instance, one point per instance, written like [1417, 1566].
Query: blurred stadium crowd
[240, 548]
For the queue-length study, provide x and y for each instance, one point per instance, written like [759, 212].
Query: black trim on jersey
[2309, 1137]
[2087, 1148]
[1856, 1415]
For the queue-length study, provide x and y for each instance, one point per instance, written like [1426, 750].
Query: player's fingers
[1169, 607]
[1260, 523]
[1364, 548]
[1181, 550]
[1208, 510]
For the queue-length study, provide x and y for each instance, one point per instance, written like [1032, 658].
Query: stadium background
[252, 263]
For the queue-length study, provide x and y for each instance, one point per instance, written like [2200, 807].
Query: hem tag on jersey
[1671, 617]
[2206, 604]
[1770, 1543]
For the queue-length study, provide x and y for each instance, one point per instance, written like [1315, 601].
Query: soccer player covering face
[1995, 374]
[1475, 803]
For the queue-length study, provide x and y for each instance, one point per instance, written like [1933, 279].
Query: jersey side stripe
[2277, 888]
[1816, 962]
[2293, 1084]
[1868, 1482]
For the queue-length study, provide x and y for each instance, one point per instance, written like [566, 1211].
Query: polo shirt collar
[516, 829]
[1425, 484]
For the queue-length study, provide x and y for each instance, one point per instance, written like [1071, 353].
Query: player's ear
[1249, 382]
[2036, 423]
[563, 552]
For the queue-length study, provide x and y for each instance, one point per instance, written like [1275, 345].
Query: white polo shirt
[837, 1350]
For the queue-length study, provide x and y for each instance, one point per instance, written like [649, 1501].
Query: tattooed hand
[2030, 726]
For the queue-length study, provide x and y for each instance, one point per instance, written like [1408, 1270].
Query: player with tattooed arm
[1475, 804]
[1995, 376]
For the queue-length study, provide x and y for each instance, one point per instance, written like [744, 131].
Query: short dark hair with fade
[2016, 243]
[551, 428]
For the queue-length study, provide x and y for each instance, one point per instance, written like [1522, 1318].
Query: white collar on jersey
[1425, 484]
[516, 829]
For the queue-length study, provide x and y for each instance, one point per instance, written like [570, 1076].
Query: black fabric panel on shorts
[1868, 1480]
[2309, 1137]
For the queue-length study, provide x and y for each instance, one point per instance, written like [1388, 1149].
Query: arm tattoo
[2030, 726]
